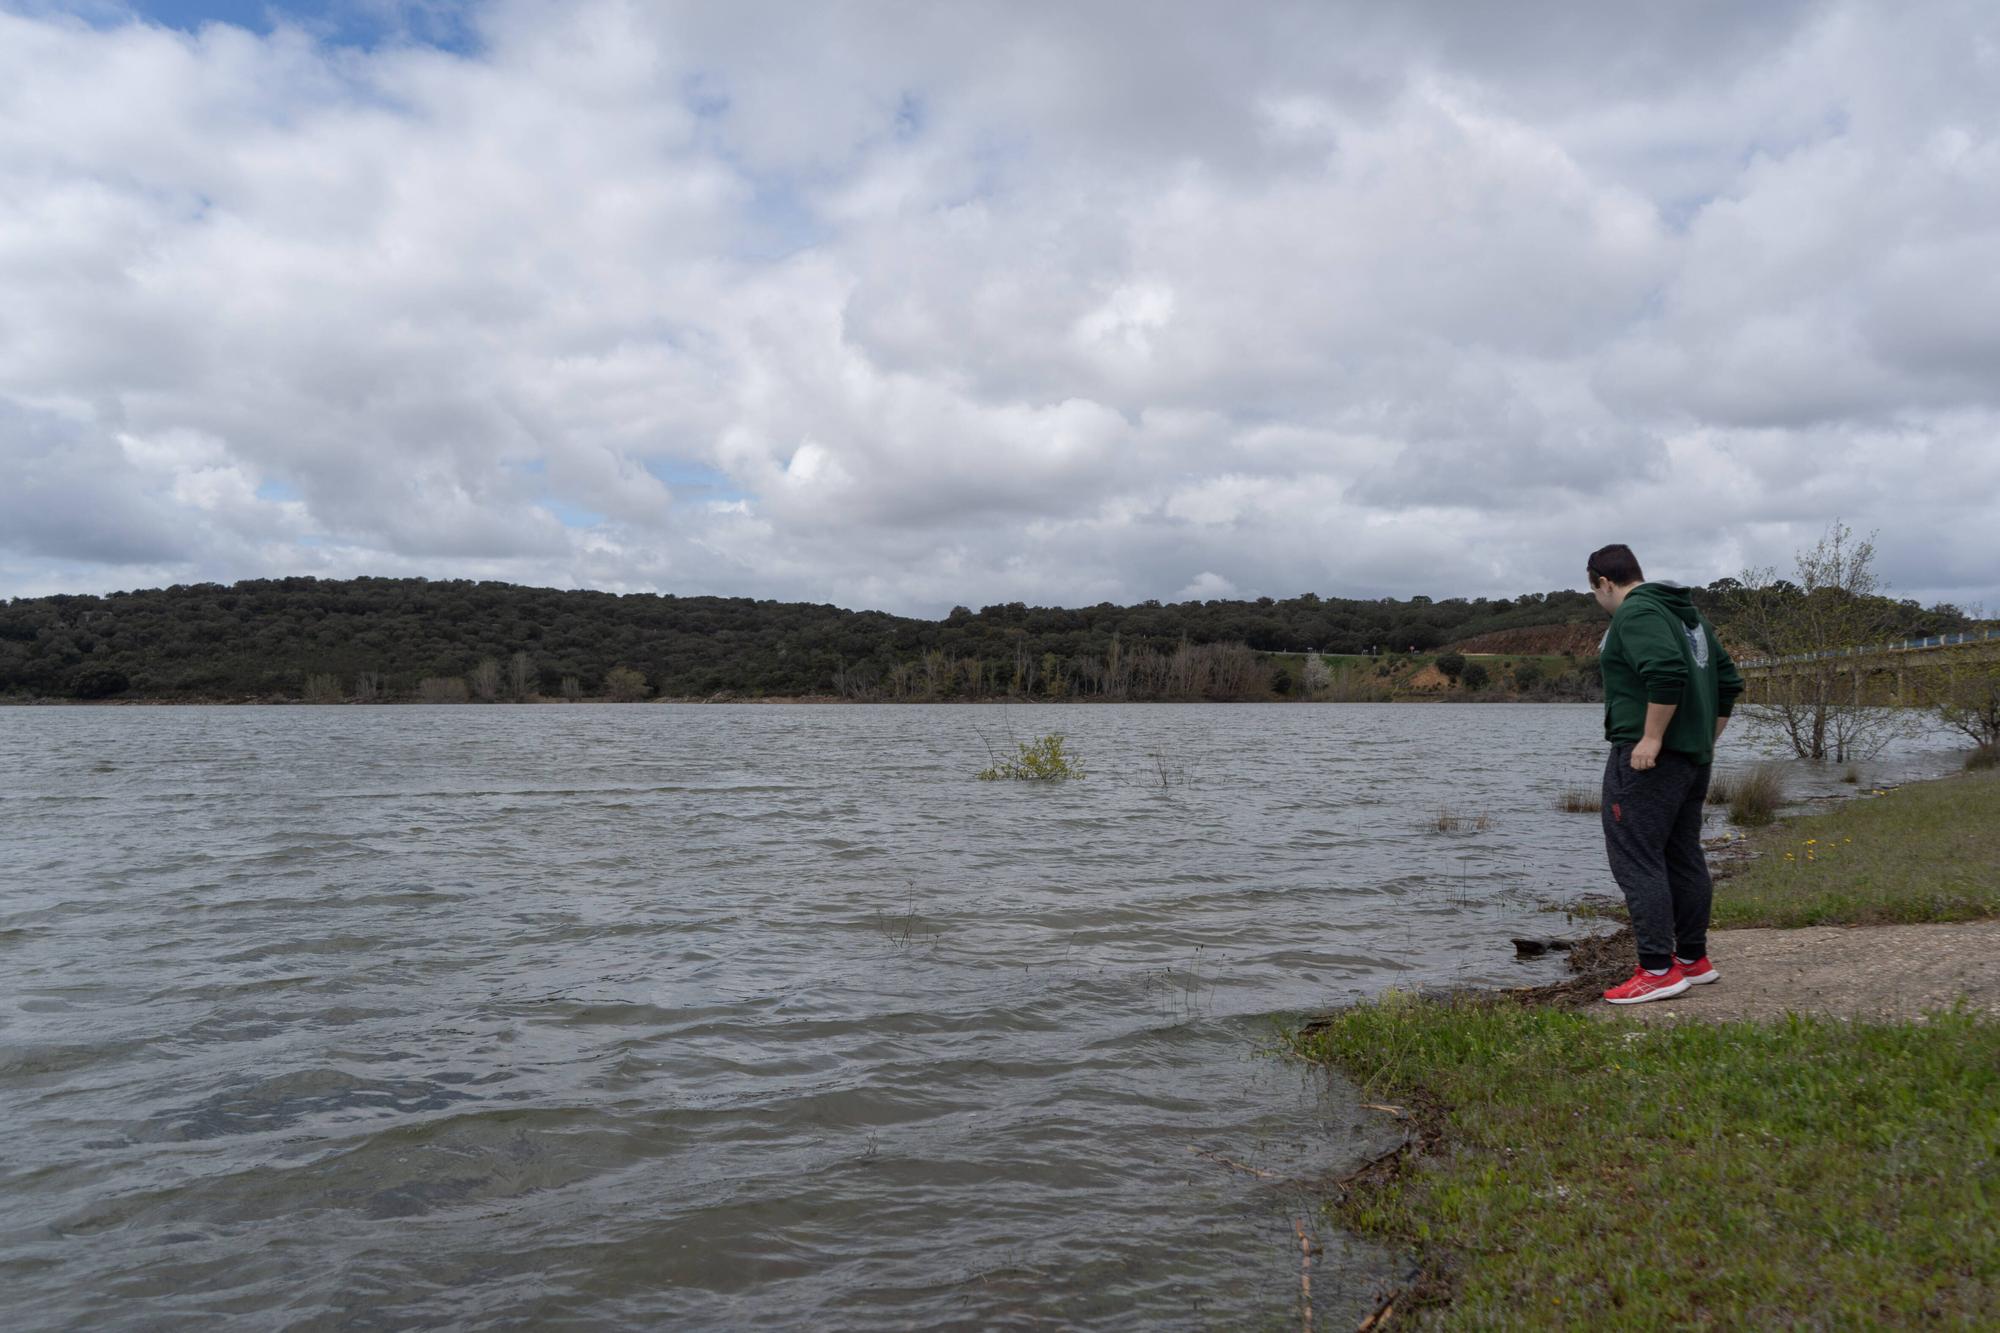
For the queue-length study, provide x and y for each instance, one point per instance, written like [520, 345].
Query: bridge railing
[1900, 646]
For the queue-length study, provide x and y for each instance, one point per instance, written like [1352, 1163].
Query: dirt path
[1845, 971]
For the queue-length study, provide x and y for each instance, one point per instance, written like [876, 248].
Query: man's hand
[1647, 752]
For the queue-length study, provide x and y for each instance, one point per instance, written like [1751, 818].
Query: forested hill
[378, 638]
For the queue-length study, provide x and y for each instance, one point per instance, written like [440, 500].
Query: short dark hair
[1615, 562]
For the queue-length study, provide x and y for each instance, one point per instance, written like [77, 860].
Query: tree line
[379, 639]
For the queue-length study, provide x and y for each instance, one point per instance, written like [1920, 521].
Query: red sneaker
[1644, 986]
[1699, 973]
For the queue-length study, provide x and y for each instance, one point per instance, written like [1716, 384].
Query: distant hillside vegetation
[1547, 640]
[380, 639]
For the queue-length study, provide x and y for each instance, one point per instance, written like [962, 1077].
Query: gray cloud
[1000, 302]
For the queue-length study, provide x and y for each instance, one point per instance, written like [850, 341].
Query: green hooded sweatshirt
[1661, 650]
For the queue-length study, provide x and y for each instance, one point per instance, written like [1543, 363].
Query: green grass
[1926, 852]
[1810, 1173]
[1806, 1174]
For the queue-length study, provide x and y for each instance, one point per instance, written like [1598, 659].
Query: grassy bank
[1571, 1171]
[1926, 852]
[1734, 1175]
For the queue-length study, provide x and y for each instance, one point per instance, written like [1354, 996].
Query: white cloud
[996, 302]
[1207, 586]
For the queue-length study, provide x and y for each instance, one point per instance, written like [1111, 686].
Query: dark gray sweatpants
[1652, 835]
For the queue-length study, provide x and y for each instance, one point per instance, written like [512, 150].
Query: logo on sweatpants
[1617, 815]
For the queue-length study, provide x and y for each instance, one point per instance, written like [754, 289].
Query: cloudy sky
[903, 305]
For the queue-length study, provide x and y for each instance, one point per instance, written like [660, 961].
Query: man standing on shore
[1668, 691]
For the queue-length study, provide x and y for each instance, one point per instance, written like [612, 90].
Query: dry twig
[1232, 1162]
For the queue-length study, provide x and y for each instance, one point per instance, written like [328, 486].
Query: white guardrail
[1903, 646]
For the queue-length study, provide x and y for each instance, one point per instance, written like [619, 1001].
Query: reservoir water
[712, 1016]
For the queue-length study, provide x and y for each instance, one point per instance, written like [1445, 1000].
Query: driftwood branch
[1305, 1273]
[1383, 1312]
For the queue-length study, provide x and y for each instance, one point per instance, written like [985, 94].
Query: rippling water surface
[725, 1016]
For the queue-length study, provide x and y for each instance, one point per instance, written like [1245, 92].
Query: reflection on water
[729, 1015]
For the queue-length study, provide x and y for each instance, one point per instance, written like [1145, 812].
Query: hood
[1675, 598]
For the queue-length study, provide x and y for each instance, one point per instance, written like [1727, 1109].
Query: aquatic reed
[1756, 795]
[1579, 800]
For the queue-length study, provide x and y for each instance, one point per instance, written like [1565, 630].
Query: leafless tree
[1966, 698]
[484, 678]
[1809, 626]
[442, 689]
[1317, 676]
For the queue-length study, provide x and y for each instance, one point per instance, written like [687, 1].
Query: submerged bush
[1044, 760]
[1755, 797]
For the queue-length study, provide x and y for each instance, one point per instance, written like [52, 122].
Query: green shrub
[1044, 760]
[101, 684]
[626, 685]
